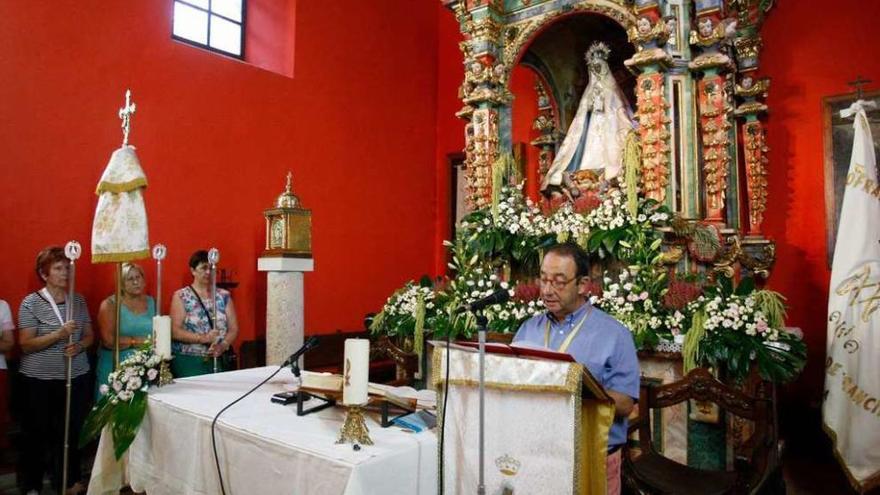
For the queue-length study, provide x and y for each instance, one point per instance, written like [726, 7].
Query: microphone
[309, 344]
[497, 297]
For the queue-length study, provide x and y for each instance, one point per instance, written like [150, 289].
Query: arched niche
[548, 79]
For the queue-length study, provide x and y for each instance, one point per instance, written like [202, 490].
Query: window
[216, 25]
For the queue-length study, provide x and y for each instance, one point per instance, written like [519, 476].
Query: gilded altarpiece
[691, 75]
[690, 72]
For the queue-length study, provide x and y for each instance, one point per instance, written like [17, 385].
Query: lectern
[547, 422]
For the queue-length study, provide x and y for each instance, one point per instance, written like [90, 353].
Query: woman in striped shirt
[44, 334]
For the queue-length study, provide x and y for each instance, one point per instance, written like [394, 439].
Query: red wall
[450, 129]
[808, 55]
[216, 136]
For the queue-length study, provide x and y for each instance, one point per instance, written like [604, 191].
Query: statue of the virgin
[596, 137]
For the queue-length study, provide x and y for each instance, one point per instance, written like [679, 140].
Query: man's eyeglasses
[557, 283]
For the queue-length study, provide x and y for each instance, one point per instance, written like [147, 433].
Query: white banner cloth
[852, 383]
[264, 448]
[530, 424]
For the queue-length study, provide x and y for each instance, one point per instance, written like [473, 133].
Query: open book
[521, 349]
[329, 382]
[406, 397]
[592, 389]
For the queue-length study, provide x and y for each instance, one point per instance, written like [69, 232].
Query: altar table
[264, 448]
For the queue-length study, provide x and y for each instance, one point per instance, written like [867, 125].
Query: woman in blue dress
[136, 322]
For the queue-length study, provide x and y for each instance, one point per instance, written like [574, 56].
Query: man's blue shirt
[603, 345]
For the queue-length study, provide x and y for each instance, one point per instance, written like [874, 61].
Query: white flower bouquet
[735, 330]
[124, 399]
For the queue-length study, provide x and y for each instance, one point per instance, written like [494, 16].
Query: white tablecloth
[264, 448]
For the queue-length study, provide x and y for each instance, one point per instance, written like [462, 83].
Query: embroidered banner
[851, 409]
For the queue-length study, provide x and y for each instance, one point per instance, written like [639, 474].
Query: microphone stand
[482, 321]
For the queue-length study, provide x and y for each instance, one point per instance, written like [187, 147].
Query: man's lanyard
[571, 335]
[48, 297]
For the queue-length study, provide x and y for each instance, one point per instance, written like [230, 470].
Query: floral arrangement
[475, 281]
[733, 329]
[408, 307]
[632, 299]
[640, 243]
[124, 400]
[426, 306]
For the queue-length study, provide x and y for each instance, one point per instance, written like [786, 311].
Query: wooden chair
[405, 363]
[646, 471]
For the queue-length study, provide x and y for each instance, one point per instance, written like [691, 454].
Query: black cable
[443, 415]
[214, 423]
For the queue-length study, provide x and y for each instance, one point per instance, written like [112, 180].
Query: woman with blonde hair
[135, 323]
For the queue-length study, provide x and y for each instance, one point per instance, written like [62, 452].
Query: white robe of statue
[595, 139]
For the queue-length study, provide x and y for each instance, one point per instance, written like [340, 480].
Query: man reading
[592, 337]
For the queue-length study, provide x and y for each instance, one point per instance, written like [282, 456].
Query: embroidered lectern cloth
[119, 231]
[540, 436]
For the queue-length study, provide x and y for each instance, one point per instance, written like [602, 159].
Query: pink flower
[643, 295]
[152, 374]
[762, 326]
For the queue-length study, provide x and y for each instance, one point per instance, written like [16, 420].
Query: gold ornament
[354, 429]
[165, 376]
[288, 226]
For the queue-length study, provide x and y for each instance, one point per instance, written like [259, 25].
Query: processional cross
[125, 114]
[858, 83]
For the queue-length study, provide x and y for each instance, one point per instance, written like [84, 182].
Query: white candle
[356, 371]
[162, 336]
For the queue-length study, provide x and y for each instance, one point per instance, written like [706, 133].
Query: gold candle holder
[165, 376]
[354, 429]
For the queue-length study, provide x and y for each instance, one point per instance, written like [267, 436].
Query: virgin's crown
[598, 50]
[508, 465]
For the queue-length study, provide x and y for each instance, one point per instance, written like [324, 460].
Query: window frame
[210, 12]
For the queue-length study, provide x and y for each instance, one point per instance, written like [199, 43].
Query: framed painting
[838, 137]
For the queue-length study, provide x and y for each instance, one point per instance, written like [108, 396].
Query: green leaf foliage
[95, 421]
[127, 417]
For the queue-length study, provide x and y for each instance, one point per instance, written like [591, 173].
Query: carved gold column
[714, 111]
[758, 252]
[482, 92]
[651, 61]
[754, 147]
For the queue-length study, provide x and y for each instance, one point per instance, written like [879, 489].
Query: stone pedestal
[284, 305]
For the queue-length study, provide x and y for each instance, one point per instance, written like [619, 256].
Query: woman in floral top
[197, 338]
